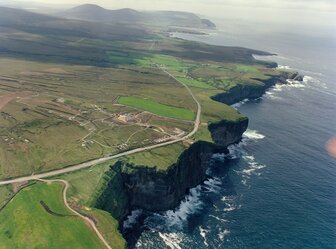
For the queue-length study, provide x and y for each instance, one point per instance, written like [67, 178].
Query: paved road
[86, 219]
[107, 158]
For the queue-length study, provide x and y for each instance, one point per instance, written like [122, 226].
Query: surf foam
[172, 240]
[132, 219]
[253, 135]
[176, 219]
[239, 104]
[223, 233]
[203, 233]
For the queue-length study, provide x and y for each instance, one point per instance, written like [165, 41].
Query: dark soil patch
[46, 208]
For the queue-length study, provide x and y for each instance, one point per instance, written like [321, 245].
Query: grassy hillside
[157, 108]
[158, 18]
[25, 223]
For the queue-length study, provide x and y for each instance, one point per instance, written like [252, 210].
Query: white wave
[253, 135]
[294, 84]
[132, 219]
[219, 156]
[223, 233]
[175, 219]
[231, 207]
[313, 82]
[230, 202]
[307, 79]
[217, 218]
[253, 167]
[203, 233]
[235, 151]
[213, 185]
[282, 67]
[244, 182]
[239, 104]
[228, 198]
[270, 94]
[172, 240]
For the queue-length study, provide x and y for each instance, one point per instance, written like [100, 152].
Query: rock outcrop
[225, 133]
[240, 92]
[132, 186]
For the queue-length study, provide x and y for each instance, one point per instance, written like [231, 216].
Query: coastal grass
[203, 134]
[157, 158]
[108, 226]
[85, 183]
[6, 193]
[25, 223]
[157, 108]
[195, 83]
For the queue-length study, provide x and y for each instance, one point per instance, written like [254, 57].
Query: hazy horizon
[311, 12]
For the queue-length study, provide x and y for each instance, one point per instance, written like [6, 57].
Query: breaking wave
[239, 104]
[230, 203]
[213, 185]
[254, 166]
[281, 67]
[172, 240]
[203, 233]
[253, 135]
[176, 219]
[223, 233]
[132, 219]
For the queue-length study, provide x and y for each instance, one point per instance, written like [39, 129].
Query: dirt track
[87, 220]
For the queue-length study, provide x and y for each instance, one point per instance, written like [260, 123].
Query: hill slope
[11, 16]
[158, 18]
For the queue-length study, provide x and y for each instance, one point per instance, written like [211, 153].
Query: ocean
[276, 189]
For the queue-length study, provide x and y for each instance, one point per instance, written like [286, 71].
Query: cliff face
[131, 186]
[134, 186]
[137, 186]
[161, 190]
[226, 132]
[241, 92]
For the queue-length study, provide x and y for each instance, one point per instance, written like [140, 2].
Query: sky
[314, 12]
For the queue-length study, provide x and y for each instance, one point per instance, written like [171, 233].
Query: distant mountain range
[11, 16]
[96, 13]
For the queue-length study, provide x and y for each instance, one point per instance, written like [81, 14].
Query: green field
[195, 83]
[64, 97]
[157, 108]
[24, 223]
[157, 157]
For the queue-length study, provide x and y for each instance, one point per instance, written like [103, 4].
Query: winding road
[107, 158]
[86, 219]
[40, 176]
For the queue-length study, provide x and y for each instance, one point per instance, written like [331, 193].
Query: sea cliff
[132, 186]
[129, 186]
[240, 92]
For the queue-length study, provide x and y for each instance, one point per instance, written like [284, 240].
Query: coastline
[129, 187]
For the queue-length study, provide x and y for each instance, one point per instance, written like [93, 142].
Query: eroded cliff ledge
[240, 92]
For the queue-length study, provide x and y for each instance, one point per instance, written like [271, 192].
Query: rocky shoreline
[130, 186]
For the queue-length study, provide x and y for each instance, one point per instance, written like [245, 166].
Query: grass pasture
[195, 83]
[24, 223]
[157, 108]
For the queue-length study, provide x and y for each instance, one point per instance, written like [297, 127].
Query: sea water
[276, 189]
